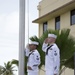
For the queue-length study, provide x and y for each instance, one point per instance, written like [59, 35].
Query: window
[73, 17]
[57, 23]
[44, 26]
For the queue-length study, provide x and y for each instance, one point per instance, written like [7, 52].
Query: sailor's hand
[46, 40]
[27, 46]
[29, 68]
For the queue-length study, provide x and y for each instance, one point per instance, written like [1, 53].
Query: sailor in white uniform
[33, 58]
[52, 57]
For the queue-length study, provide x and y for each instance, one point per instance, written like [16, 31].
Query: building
[56, 14]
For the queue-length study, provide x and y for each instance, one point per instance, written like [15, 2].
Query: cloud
[12, 23]
[9, 23]
[9, 36]
[9, 29]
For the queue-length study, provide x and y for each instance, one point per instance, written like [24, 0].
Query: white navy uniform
[33, 61]
[52, 59]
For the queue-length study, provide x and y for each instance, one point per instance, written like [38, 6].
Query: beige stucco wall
[66, 72]
[51, 24]
[72, 30]
[50, 5]
[65, 20]
[40, 29]
[64, 23]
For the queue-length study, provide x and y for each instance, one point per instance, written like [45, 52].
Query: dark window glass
[57, 23]
[44, 26]
[73, 17]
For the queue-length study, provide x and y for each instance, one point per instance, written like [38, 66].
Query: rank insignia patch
[37, 58]
[55, 54]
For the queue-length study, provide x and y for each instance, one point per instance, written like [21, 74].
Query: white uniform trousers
[32, 73]
[49, 73]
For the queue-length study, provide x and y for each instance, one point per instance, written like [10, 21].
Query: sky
[9, 28]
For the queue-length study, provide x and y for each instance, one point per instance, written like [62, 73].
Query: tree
[15, 62]
[7, 69]
[66, 44]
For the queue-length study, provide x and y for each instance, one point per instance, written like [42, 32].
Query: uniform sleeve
[44, 47]
[27, 51]
[36, 59]
[56, 56]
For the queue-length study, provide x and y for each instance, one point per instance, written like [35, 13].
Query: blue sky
[9, 27]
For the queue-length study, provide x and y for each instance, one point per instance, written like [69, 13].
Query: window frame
[57, 19]
[45, 24]
[71, 14]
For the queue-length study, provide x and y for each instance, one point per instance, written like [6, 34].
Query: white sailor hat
[52, 35]
[34, 43]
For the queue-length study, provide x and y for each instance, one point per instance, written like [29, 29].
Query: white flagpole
[74, 63]
[21, 36]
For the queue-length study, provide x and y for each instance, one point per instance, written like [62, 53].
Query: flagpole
[21, 36]
[74, 63]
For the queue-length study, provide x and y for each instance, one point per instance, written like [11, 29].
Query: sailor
[52, 57]
[33, 58]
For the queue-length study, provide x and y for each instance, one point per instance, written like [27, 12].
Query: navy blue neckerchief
[30, 54]
[48, 49]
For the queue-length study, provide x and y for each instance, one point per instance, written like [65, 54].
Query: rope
[28, 18]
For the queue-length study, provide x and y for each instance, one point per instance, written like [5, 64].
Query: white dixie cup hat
[34, 43]
[52, 35]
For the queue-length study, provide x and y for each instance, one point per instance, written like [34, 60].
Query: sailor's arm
[45, 44]
[27, 50]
